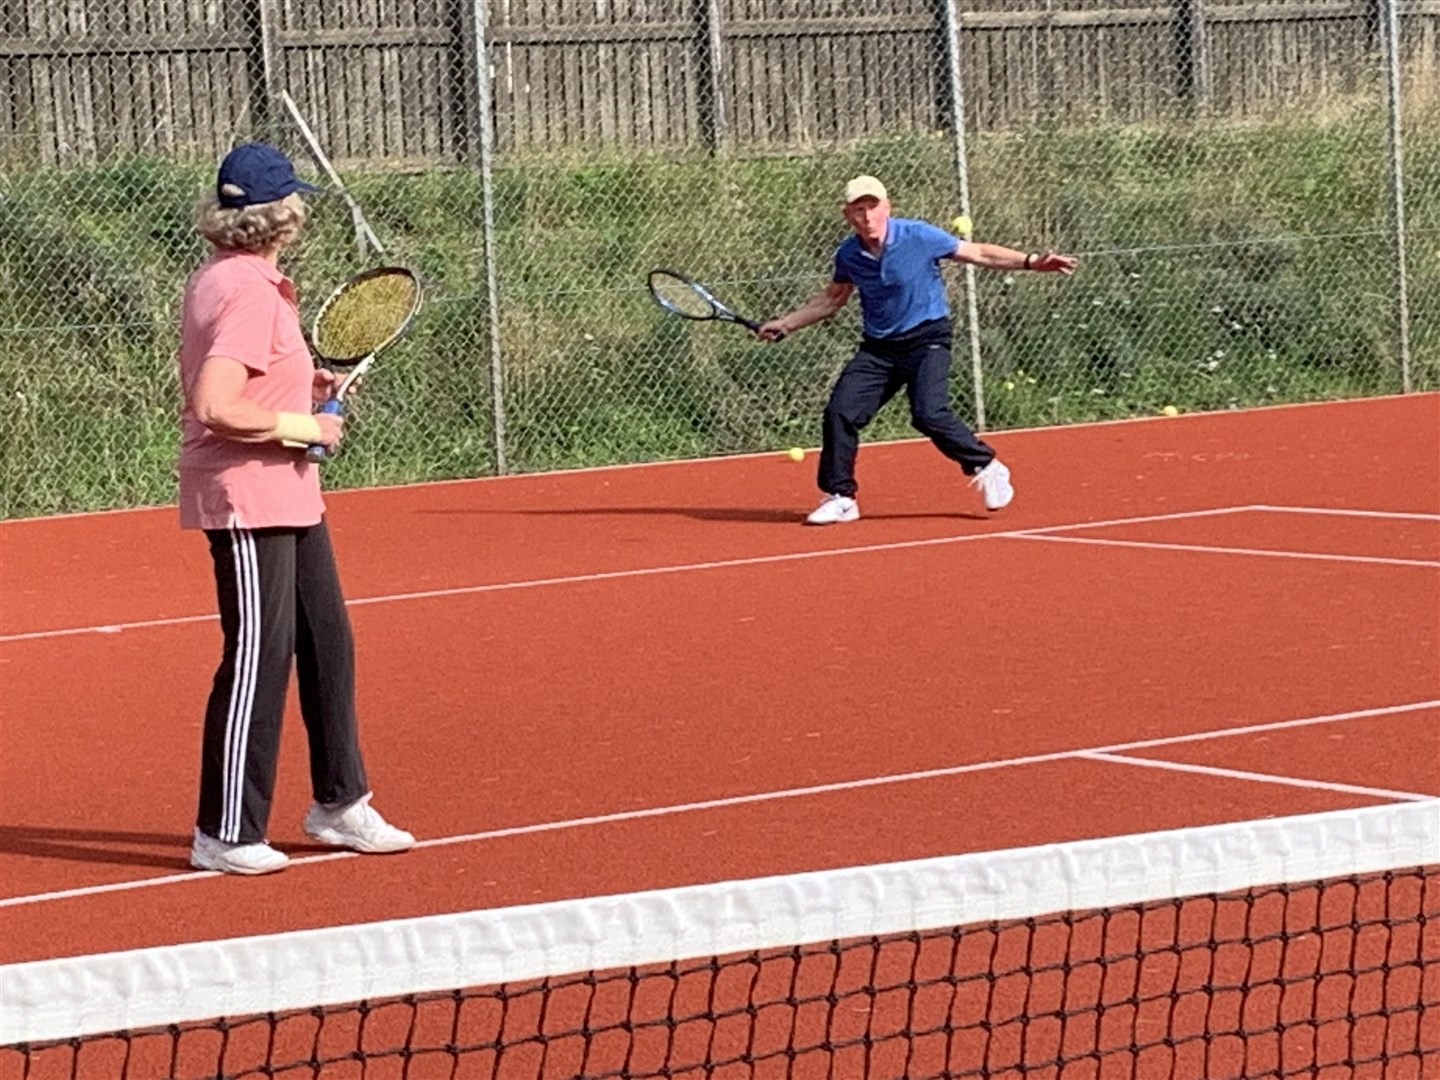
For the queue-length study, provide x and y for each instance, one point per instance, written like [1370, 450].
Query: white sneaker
[357, 826]
[207, 853]
[834, 509]
[994, 483]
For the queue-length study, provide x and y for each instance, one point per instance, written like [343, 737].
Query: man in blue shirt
[894, 263]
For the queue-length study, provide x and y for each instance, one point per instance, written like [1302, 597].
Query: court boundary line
[1038, 532]
[582, 470]
[1212, 549]
[68, 997]
[648, 571]
[1257, 777]
[1406, 515]
[890, 779]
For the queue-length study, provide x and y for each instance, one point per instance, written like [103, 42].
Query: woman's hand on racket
[332, 429]
[323, 388]
[323, 385]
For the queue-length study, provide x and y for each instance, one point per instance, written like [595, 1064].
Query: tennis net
[1302, 946]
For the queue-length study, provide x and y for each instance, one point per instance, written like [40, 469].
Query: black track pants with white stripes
[279, 594]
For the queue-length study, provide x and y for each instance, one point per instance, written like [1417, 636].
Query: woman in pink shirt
[250, 384]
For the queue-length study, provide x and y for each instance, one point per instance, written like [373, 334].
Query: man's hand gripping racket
[687, 298]
[357, 322]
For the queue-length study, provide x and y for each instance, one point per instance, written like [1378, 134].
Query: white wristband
[300, 429]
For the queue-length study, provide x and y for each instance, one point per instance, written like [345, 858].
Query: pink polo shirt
[241, 306]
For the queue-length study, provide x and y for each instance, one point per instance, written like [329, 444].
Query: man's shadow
[165, 851]
[748, 514]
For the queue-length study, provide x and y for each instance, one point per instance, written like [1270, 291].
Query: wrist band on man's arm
[301, 429]
[1029, 258]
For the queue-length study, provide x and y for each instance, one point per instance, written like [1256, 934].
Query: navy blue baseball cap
[256, 172]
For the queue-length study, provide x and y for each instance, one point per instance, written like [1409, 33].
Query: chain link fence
[1254, 190]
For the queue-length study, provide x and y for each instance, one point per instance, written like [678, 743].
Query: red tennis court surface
[1178, 622]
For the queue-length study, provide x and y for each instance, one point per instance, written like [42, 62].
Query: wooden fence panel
[800, 74]
[609, 72]
[378, 79]
[1263, 56]
[382, 80]
[85, 81]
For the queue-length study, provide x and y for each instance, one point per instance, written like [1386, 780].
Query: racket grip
[755, 329]
[318, 451]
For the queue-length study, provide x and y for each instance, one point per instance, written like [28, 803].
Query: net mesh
[1337, 976]
[1290, 981]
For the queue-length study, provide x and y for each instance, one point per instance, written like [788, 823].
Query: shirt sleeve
[244, 327]
[841, 273]
[939, 244]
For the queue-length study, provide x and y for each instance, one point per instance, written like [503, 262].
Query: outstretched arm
[822, 305]
[999, 257]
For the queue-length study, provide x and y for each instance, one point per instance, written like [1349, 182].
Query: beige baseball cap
[862, 186]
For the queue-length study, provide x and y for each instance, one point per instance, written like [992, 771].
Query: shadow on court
[171, 851]
[749, 515]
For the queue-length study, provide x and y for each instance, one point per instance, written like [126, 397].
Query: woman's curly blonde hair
[255, 228]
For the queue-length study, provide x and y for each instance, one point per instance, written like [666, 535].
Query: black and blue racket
[686, 297]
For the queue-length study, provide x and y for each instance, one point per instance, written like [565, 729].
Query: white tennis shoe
[357, 826]
[834, 509]
[994, 484]
[208, 853]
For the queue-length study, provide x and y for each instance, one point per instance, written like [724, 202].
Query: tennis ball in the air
[796, 454]
[1170, 410]
[962, 224]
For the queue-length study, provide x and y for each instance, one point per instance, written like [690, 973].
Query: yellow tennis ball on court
[962, 224]
[796, 454]
[1170, 410]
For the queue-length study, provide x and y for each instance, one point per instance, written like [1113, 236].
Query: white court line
[1397, 515]
[1039, 532]
[762, 797]
[648, 571]
[1263, 778]
[1215, 550]
[629, 466]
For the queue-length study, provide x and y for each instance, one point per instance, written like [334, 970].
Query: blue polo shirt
[902, 288]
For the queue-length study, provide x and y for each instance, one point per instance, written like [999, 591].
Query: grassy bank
[1223, 266]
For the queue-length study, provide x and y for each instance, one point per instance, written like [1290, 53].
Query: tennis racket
[687, 298]
[359, 320]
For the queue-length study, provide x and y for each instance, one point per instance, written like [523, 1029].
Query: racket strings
[365, 316]
[681, 297]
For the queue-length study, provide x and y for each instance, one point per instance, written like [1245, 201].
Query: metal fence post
[261, 62]
[482, 147]
[962, 173]
[1390, 37]
[714, 123]
[1192, 76]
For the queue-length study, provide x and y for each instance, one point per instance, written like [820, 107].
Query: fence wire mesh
[1230, 173]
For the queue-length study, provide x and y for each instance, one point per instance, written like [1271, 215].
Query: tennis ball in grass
[795, 454]
[962, 224]
[1170, 410]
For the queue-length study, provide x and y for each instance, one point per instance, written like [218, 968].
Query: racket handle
[754, 328]
[318, 451]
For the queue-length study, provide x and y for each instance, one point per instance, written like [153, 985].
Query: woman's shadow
[165, 851]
